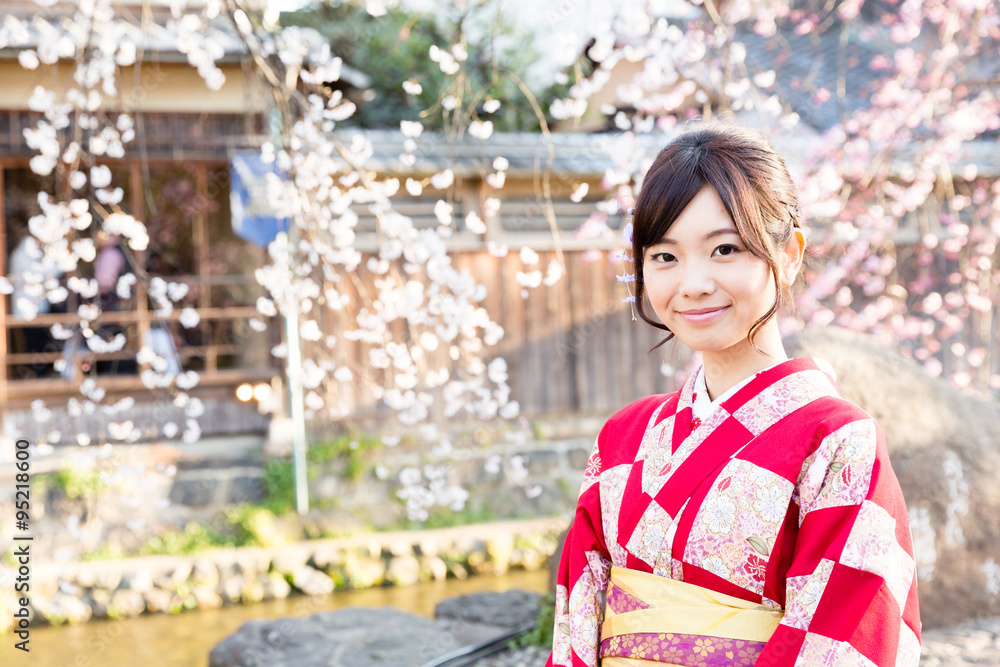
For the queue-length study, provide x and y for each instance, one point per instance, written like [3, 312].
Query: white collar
[702, 406]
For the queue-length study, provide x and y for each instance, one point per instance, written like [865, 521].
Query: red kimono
[783, 497]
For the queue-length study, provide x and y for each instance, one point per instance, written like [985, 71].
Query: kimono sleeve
[582, 579]
[851, 590]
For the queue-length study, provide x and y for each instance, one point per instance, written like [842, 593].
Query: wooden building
[175, 178]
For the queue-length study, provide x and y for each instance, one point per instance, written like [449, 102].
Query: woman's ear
[792, 255]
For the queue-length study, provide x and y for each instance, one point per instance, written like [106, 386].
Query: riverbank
[78, 592]
[185, 640]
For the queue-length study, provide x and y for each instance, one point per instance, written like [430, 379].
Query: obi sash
[654, 620]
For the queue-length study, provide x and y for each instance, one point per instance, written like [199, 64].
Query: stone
[433, 567]
[126, 603]
[249, 567]
[403, 571]
[578, 457]
[206, 598]
[171, 579]
[140, 581]
[85, 577]
[542, 462]
[195, 492]
[401, 547]
[970, 643]
[107, 578]
[529, 656]
[253, 591]
[363, 572]
[290, 558]
[231, 588]
[246, 489]
[344, 638]
[428, 546]
[326, 557]
[311, 581]
[99, 600]
[479, 563]
[60, 608]
[158, 601]
[499, 550]
[943, 448]
[472, 471]
[327, 487]
[510, 609]
[205, 572]
[529, 559]
[276, 586]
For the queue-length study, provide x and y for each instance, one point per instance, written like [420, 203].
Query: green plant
[77, 482]
[445, 517]
[195, 538]
[541, 635]
[279, 480]
[254, 525]
[352, 451]
[104, 552]
[538, 431]
[40, 485]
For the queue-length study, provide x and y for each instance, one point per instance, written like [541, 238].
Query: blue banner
[253, 217]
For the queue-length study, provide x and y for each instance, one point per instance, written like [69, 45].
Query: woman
[752, 517]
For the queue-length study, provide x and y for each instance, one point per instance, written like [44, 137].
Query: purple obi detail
[622, 602]
[678, 649]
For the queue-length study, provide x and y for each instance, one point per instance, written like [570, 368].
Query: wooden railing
[251, 345]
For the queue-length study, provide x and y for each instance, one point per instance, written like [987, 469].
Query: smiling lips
[702, 315]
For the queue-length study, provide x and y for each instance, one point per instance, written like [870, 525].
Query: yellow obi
[654, 620]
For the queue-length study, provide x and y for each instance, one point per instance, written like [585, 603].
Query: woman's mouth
[702, 315]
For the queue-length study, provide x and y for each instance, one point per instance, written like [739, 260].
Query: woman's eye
[726, 249]
[662, 257]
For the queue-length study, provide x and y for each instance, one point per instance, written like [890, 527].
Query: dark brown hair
[750, 178]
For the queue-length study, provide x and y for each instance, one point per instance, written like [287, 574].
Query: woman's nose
[696, 280]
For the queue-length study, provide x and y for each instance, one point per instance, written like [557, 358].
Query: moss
[74, 482]
[194, 538]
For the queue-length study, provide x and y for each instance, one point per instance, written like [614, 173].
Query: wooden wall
[570, 348]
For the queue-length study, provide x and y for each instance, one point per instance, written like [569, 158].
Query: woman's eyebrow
[718, 232]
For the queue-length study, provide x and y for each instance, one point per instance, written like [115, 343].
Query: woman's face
[703, 283]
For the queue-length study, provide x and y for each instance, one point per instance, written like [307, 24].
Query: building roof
[581, 154]
[158, 39]
[805, 64]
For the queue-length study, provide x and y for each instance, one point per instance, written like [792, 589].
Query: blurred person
[30, 272]
[752, 517]
[109, 265]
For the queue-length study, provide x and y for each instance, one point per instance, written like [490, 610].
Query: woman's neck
[725, 368]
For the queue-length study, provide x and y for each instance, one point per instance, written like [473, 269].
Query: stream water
[166, 640]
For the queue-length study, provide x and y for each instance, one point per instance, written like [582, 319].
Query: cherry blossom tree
[896, 161]
[900, 162]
